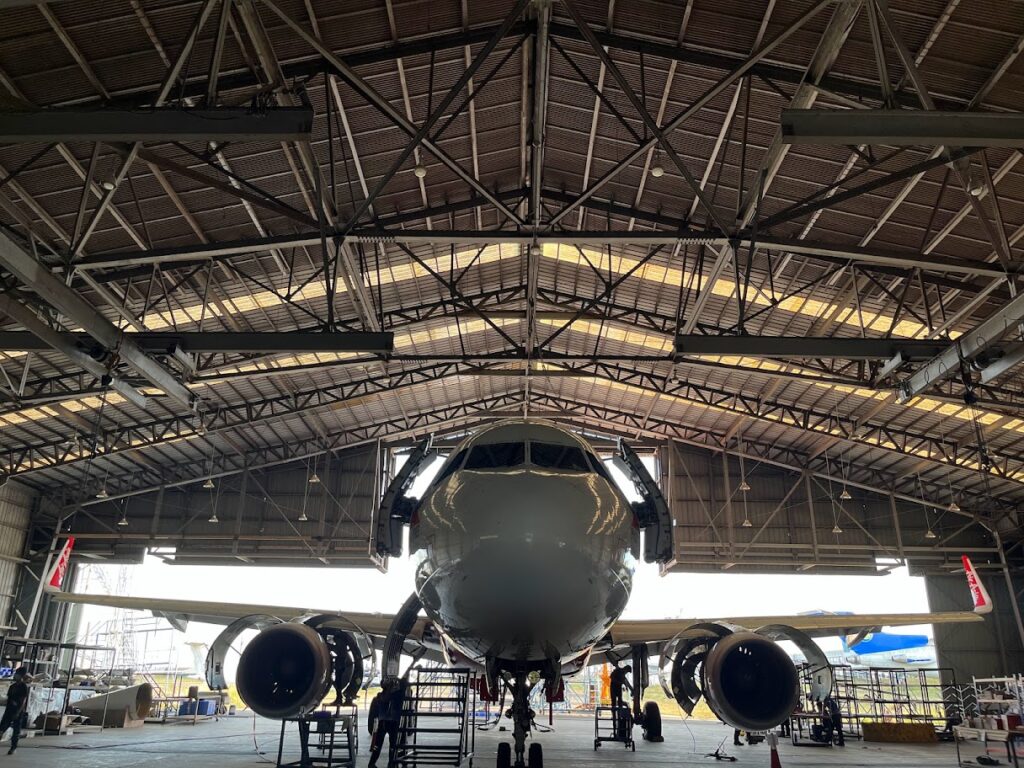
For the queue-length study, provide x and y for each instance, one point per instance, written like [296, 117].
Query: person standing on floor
[17, 704]
[385, 719]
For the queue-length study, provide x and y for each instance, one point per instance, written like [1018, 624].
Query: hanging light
[845, 495]
[746, 523]
[420, 171]
[213, 517]
[102, 492]
[953, 506]
[930, 534]
[744, 485]
[108, 186]
[123, 521]
[837, 530]
[209, 484]
[536, 250]
[657, 171]
[302, 517]
[314, 479]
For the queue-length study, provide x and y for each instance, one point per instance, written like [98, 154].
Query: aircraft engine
[747, 679]
[285, 671]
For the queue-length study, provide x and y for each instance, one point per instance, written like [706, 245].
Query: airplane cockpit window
[551, 456]
[453, 465]
[496, 456]
[599, 467]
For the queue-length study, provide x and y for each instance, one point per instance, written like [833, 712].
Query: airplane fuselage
[525, 548]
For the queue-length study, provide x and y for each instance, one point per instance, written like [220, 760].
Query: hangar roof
[511, 190]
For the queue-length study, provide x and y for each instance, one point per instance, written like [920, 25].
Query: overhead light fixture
[837, 530]
[657, 171]
[746, 523]
[213, 518]
[102, 492]
[535, 250]
[744, 486]
[953, 506]
[302, 517]
[420, 171]
[123, 521]
[209, 483]
[314, 479]
[845, 495]
[108, 186]
[930, 534]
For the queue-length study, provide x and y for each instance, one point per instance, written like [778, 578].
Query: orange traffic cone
[773, 742]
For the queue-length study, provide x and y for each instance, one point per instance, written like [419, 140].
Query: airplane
[525, 549]
[889, 650]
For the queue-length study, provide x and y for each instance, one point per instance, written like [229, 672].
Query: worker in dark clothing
[736, 733]
[832, 722]
[17, 704]
[385, 719]
[616, 682]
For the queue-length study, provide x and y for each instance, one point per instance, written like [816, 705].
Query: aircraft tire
[504, 755]
[535, 757]
[652, 722]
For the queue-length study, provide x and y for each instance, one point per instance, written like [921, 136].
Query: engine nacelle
[747, 679]
[750, 682]
[285, 671]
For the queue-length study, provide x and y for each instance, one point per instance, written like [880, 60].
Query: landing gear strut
[522, 721]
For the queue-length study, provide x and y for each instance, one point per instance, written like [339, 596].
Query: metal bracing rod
[693, 108]
[829, 45]
[960, 165]
[539, 96]
[798, 211]
[169, 81]
[644, 114]
[365, 90]
[218, 52]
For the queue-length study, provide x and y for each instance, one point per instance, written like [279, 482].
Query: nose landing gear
[522, 722]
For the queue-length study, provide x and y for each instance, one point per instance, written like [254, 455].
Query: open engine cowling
[747, 679]
[285, 671]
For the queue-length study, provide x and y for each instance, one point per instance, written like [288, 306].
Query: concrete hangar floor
[232, 742]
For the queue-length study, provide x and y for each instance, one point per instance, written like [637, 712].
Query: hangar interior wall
[796, 521]
[988, 649]
[15, 514]
[263, 516]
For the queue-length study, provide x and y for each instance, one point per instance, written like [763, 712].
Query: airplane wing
[628, 632]
[180, 612]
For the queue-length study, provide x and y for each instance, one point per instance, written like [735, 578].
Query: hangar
[254, 252]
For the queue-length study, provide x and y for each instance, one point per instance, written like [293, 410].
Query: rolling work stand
[326, 739]
[613, 724]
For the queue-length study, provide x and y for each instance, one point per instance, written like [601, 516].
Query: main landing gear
[522, 715]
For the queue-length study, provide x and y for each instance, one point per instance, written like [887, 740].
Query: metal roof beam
[901, 127]
[52, 290]
[966, 348]
[477, 238]
[806, 347]
[223, 341]
[158, 124]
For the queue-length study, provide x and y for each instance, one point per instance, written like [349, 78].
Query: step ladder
[438, 718]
